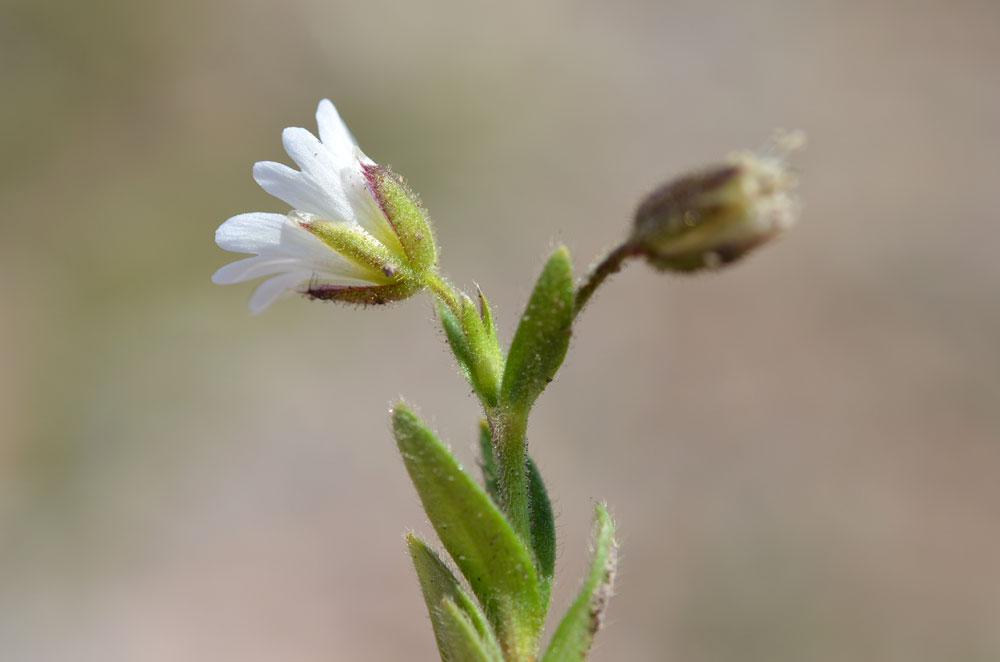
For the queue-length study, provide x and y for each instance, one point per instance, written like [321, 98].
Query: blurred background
[801, 452]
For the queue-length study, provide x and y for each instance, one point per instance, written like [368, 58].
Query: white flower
[336, 239]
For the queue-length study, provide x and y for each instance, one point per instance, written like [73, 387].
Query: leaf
[488, 463]
[499, 568]
[459, 641]
[583, 619]
[487, 316]
[543, 529]
[542, 335]
[473, 341]
[438, 584]
[456, 338]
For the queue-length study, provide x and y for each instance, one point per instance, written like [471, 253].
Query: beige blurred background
[801, 452]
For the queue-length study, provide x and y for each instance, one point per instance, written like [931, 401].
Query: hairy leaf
[542, 335]
[573, 637]
[459, 641]
[438, 584]
[500, 570]
[488, 463]
[543, 529]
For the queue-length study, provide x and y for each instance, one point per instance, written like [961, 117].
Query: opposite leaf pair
[510, 580]
[537, 350]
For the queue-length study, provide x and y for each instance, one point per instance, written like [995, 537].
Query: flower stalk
[607, 266]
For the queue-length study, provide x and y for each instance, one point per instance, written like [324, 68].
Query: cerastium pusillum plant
[357, 234]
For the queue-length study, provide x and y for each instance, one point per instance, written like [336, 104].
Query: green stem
[507, 429]
[610, 264]
[445, 291]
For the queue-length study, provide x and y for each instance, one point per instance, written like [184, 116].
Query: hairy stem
[610, 264]
[443, 289]
[507, 429]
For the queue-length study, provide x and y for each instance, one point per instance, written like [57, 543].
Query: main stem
[507, 429]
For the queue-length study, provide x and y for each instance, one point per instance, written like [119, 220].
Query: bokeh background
[801, 452]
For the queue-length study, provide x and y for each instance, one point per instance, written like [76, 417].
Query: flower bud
[716, 216]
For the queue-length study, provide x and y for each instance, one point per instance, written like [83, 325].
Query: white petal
[250, 233]
[269, 291]
[303, 192]
[312, 156]
[254, 267]
[295, 248]
[333, 132]
[335, 271]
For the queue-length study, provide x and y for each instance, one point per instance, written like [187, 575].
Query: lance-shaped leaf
[488, 463]
[542, 335]
[456, 338]
[438, 586]
[487, 316]
[459, 641]
[575, 633]
[499, 568]
[543, 530]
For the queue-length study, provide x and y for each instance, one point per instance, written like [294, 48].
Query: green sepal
[473, 341]
[488, 463]
[406, 216]
[438, 584]
[353, 243]
[459, 640]
[363, 295]
[543, 530]
[500, 570]
[573, 637]
[542, 335]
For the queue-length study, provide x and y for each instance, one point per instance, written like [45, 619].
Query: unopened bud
[714, 217]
